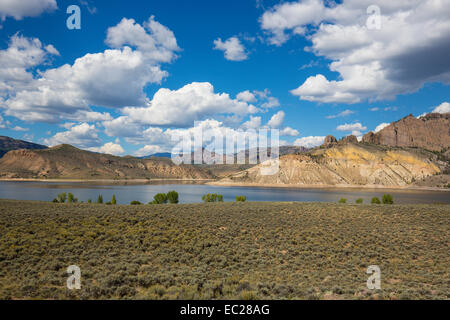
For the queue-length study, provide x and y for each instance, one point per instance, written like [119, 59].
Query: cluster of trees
[212, 197]
[161, 198]
[386, 199]
[63, 197]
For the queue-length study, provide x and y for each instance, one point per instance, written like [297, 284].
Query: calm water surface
[192, 193]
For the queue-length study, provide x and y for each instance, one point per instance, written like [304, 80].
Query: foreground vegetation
[224, 251]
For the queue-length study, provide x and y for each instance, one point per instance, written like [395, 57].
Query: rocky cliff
[431, 132]
[345, 165]
[67, 162]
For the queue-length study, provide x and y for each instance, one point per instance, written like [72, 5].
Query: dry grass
[224, 251]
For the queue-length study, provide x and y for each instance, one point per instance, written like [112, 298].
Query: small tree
[71, 198]
[135, 203]
[62, 197]
[113, 200]
[342, 200]
[172, 196]
[212, 197]
[359, 201]
[241, 199]
[89, 200]
[100, 199]
[388, 199]
[160, 198]
[375, 200]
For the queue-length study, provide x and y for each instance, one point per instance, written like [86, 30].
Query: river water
[192, 193]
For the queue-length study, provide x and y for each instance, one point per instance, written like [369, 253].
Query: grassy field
[224, 251]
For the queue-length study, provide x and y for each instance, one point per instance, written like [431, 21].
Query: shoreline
[213, 182]
[325, 186]
[98, 180]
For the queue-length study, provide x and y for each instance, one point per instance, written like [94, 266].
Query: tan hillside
[67, 162]
[346, 165]
[431, 132]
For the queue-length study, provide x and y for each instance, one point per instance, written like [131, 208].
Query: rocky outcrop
[431, 132]
[345, 165]
[329, 141]
[349, 139]
[67, 162]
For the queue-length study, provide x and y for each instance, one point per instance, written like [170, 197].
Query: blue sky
[349, 79]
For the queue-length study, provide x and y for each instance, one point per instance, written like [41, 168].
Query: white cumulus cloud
[18, 9]
[309, 142]
[373, 64]
[233, 49]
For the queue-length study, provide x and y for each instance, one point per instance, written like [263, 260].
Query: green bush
[172, 196]
[212, 197]
[55, 200]
[342, 200]
[359, 201]
[375, 200]
[241, 199]
[89, 200]
[135, 203]
[71, 198]
[388, 199]
[113, 200]
[100, 199]
[160, 198]
[62, 197]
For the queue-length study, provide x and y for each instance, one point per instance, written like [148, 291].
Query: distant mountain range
[408, 151]
[68, 162]
[8, 144]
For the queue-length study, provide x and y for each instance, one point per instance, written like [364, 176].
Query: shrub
[388, 199]
[172, 196]
[241, 199]
[113, 200]
[342, 200]
[71, 198]
[62, 197]
[359, 201]
[160, 198]
[55, 200]
[89, 200]
[135, 203]
[214, 197]
[375, 200]
[100, 199]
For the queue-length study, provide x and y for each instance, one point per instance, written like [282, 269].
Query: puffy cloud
[355, 128]
[341, 114]
[18, 9]
[351, 127]
[194, 101]
[148, 150]
[232, 47]
[82, 136]
[288, 131]
[253, 123]
[372, 64]
[246, 96]
[277, 120]
[21, 55]
[309, 142]
[442, 108]
[156, 42]
[381, 126]
[113, 78]
[109, 148]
